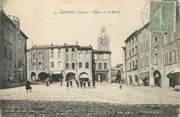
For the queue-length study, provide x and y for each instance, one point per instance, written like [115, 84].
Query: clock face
[103, 42]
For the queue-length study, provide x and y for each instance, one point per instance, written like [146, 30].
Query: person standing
[28, 86]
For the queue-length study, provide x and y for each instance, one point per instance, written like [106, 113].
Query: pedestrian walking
[84, 84]
[81, 83]
[67, 84]
[71, 83]
[47, 82]
[77, 83]
[89, 84]
[28, 86]
[60, 81]
[120, 86]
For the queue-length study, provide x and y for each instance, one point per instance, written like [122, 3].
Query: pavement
[105, 92]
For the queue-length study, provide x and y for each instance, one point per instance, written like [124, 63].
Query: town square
[89, 58]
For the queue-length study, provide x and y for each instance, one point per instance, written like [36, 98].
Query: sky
[43, 23]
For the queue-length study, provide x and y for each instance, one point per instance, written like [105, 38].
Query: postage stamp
[162, 16]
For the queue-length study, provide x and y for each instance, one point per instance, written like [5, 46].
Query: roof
[136, 32]
[9, 20]
[38, 47]
[133, 34]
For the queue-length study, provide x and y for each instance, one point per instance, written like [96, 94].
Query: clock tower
[103, 40]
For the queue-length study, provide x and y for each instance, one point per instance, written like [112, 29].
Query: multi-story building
[158, 55]
[143, 51]
[131, 58]
[12, 50]
[102, 65]
[102, 58]
[171, 51]
[73, 61]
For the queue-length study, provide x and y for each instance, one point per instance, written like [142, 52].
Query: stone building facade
[102, 57]
[131, 58]
[144, 54]
[102, 65]
[72, 61]
[13, 44]
[158, 54]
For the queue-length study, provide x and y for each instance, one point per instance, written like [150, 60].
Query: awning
[174, 73]
[176, 70]
[84, 76]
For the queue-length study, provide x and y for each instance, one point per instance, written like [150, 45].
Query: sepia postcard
[89, 58]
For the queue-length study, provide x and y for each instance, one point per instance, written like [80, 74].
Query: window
[67, 49]
[95, 56]
[73, 66]
[136, 51]
[10, 54]
[174, 51]
[166, 58]
[72, 49]
[67, 57]
[86, 56]
[52, 64]
[80, 55]
[40, 64]
[87, 65]
[133, 64]
[136, 63]
[67, 66]
[72, 57]
[5, 52]
[34, 55]
[95, 66]
[80, 64]
[59, 64]
[34, 65]
[155, 40]
[170, 57]
[99, 66]
[132, 51]
[39, 54]
[102, 56]
[59, 54]
[105, 65]
[129, 53]
[52, 54]
[155, 58]
[105, 56]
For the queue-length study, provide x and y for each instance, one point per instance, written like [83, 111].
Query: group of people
[79, 84]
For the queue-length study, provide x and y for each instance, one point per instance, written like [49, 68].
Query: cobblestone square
[105, 92]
